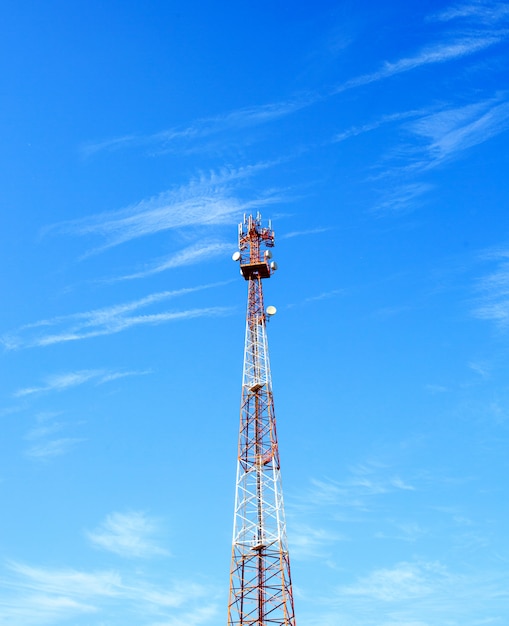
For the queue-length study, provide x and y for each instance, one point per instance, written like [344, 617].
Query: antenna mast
[260, 582]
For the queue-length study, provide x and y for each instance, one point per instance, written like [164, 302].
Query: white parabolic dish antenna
[271, 310]
[236, 256]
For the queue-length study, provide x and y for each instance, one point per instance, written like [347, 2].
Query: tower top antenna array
[252, 236]
[260, 581]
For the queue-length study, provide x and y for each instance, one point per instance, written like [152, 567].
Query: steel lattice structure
[260, 582]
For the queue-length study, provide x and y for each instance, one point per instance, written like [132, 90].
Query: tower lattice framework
[260, 581]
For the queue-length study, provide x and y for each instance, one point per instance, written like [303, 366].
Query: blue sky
[134, 137]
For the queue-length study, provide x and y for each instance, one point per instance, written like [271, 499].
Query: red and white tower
[260, 582]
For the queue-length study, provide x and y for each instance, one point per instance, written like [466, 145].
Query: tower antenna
[260, 581]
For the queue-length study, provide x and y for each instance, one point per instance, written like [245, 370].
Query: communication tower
[260, 582]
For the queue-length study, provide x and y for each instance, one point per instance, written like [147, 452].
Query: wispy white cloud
[453, 47]
[441, 52]
[202, 615]
[363, 486]
[309, 541]
[44, 450]
[421, 593]
[63, 581]
[403, 531]
[497, 312]
[404, 581]
[437, 139]
[43, 417]
[372, 479]
[324, 295]
[105, 321]
[207, 201]
[303, 233]
[196, 253]
[60, 382]
[43, 431]
[402, 198]
[46, 439]
[31, 596]
[109, 145]
[173, 139]
[483, 11]
[438, 136]
[391, 311]
[130, 534]
[399, 483]
[434, 389]
[10, 410]
[354, 131]
[448, 133]
[37, 610]
[493, 289]
[482, 368]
